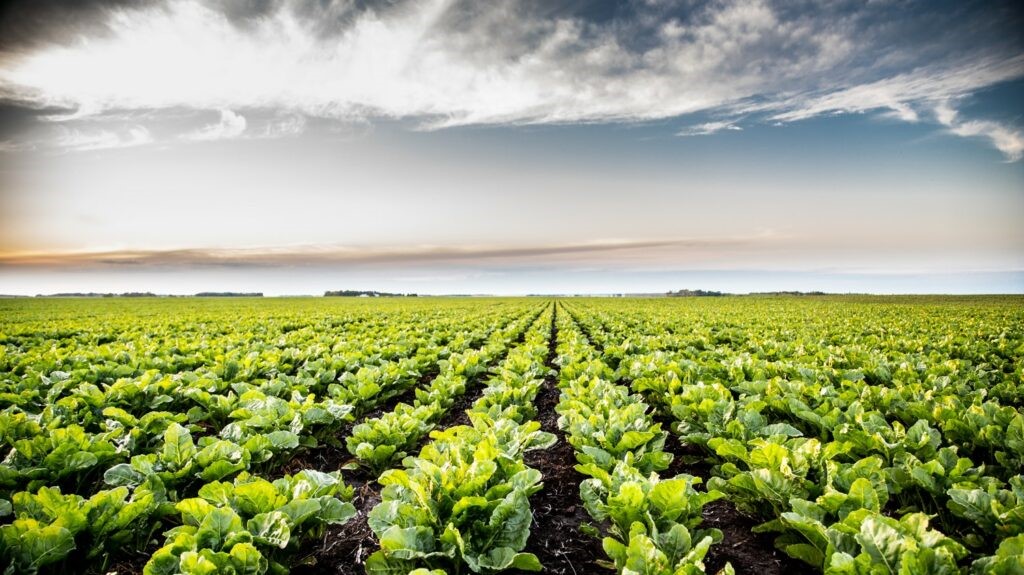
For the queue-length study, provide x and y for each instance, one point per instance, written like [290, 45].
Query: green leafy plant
[243, 525]
[462, 502]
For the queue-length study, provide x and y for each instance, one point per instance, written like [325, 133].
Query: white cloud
[1007, 140]
[497, 66]
[900, 94]
[505, 68]
[230, 125]
[708, 128]
[283, 126]
[82, 140]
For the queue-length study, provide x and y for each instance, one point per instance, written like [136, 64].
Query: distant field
[838, 434]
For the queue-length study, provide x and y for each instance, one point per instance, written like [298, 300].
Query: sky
[509, 147]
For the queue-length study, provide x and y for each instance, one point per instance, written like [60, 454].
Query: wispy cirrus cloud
[448, 63]
[1007, 140]
[65, 139]
[104, 139]
[708, 128]
[904, 95]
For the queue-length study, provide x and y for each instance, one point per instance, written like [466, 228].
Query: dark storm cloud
[25, 24]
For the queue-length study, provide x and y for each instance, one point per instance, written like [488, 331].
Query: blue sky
[439, 147]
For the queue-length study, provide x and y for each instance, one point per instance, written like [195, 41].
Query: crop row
[652, 523]
[379, 442]
[463, 501]
[874, 459]
[173, 437]
[63, 427]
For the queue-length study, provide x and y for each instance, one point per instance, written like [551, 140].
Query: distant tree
[695, 293]
[361, 293]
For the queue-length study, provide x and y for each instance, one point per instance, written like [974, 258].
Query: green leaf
[670, 497]
[247, 560]
[32, 545]
[270, 529]
[780, 429]
[382, 564]
[676, 543]
[526, 562]
[283, 440]
[407, 543]
[863, 495]
[510, 522]
[178, 449]
[123, 474]
[257, 496]
[881, 542]
[163, 562]
[728, 448]
[216, 527]
[194, 510]
[220, 459]
[300, 510]
[805, 552]
[199, 563]
[469, 502]
[333, 511]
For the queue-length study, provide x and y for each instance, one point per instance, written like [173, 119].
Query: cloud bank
[331, 255]
[444, 63]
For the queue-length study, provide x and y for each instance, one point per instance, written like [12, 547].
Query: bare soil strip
[557, 510]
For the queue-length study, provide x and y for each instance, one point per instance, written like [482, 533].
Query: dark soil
[555, 537]
[344, 548]
[686, 458]
[326, 458]
[748, 552]
[131, 563]
[557, 509]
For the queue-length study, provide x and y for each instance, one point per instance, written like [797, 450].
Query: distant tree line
[359, 293]
[151, 294]
[95, 294]
[695, 293]
[790, 293]
[710, 293]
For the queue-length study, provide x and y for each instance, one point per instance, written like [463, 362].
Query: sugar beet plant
[119, 434]
[653, 523]
[864, 435]
[868, 441]
[379, 442]
[462, 504]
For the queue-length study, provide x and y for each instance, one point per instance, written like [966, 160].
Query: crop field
[429, 436]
